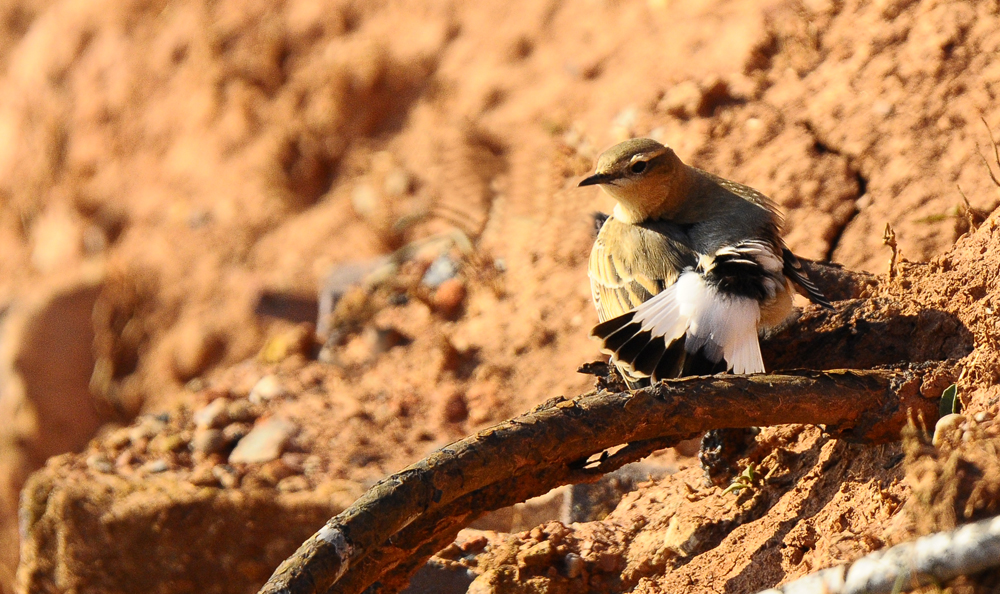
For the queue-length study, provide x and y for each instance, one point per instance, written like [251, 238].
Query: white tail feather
[725, 326]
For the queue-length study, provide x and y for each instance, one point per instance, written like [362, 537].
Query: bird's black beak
[596, 179]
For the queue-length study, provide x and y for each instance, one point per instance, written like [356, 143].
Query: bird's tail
[690, 328]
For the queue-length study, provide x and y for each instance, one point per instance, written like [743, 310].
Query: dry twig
[889, 239]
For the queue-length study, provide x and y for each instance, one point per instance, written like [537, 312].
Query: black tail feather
[634, 346]
[671, 365]
[701, 364]
[637, 352]
[609, 327]
[614, 342]
[649, 357]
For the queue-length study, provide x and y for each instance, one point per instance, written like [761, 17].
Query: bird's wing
[630, 264]
[795, 273]
[704, 322]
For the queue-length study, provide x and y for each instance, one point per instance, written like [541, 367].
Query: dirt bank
[206, 165]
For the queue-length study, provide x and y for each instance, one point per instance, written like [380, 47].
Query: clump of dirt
[217, 160]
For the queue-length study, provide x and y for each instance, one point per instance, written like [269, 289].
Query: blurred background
[183, 184]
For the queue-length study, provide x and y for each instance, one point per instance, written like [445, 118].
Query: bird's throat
[629, 215]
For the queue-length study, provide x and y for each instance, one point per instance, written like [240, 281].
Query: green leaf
[950, 402]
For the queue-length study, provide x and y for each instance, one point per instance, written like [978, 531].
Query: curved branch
[399, 522]
[412, 546]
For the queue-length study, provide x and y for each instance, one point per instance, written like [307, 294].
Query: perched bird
[688, 269]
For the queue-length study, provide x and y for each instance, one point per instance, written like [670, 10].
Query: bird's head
[645, 177]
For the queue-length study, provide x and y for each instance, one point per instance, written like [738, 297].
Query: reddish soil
[206, 165]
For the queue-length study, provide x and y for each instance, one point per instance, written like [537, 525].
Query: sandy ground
[177, 180]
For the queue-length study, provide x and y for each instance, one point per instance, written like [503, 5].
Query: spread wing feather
[628, 266]
[703, 321]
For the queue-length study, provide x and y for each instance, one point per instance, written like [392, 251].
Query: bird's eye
[638, 167]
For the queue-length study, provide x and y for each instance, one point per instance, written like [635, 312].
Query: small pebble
[293, 484]
[208, 441]
[196, 384]
[537, 555]
[946, 427]
[204, 477]
[147, 428]
[442, 269]
[397, 182]
[124, 460]
[295, 461]
[155, 466]
[236, 431]
[882, 108]
[264, 443]
[226, 475]
[267, 388]
[574, 565]
[456, 409]
[274, 471]
[241, 411]
[313, 464]
[381, 340]
[474, 544]
[163, 443]
[212, 414]
[365, 200]
[980, 416]
[118, 439]
[100, 463]
[449, 296]
[295, 341]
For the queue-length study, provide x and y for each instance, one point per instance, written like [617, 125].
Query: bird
[688, 270]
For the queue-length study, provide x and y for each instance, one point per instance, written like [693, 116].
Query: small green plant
[745, 480]
[950, 402]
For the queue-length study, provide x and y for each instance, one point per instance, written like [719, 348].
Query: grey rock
[155, 466]
[574, 565]
[264, 443]
[267, 388]
[212, 415]
[442, 269]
